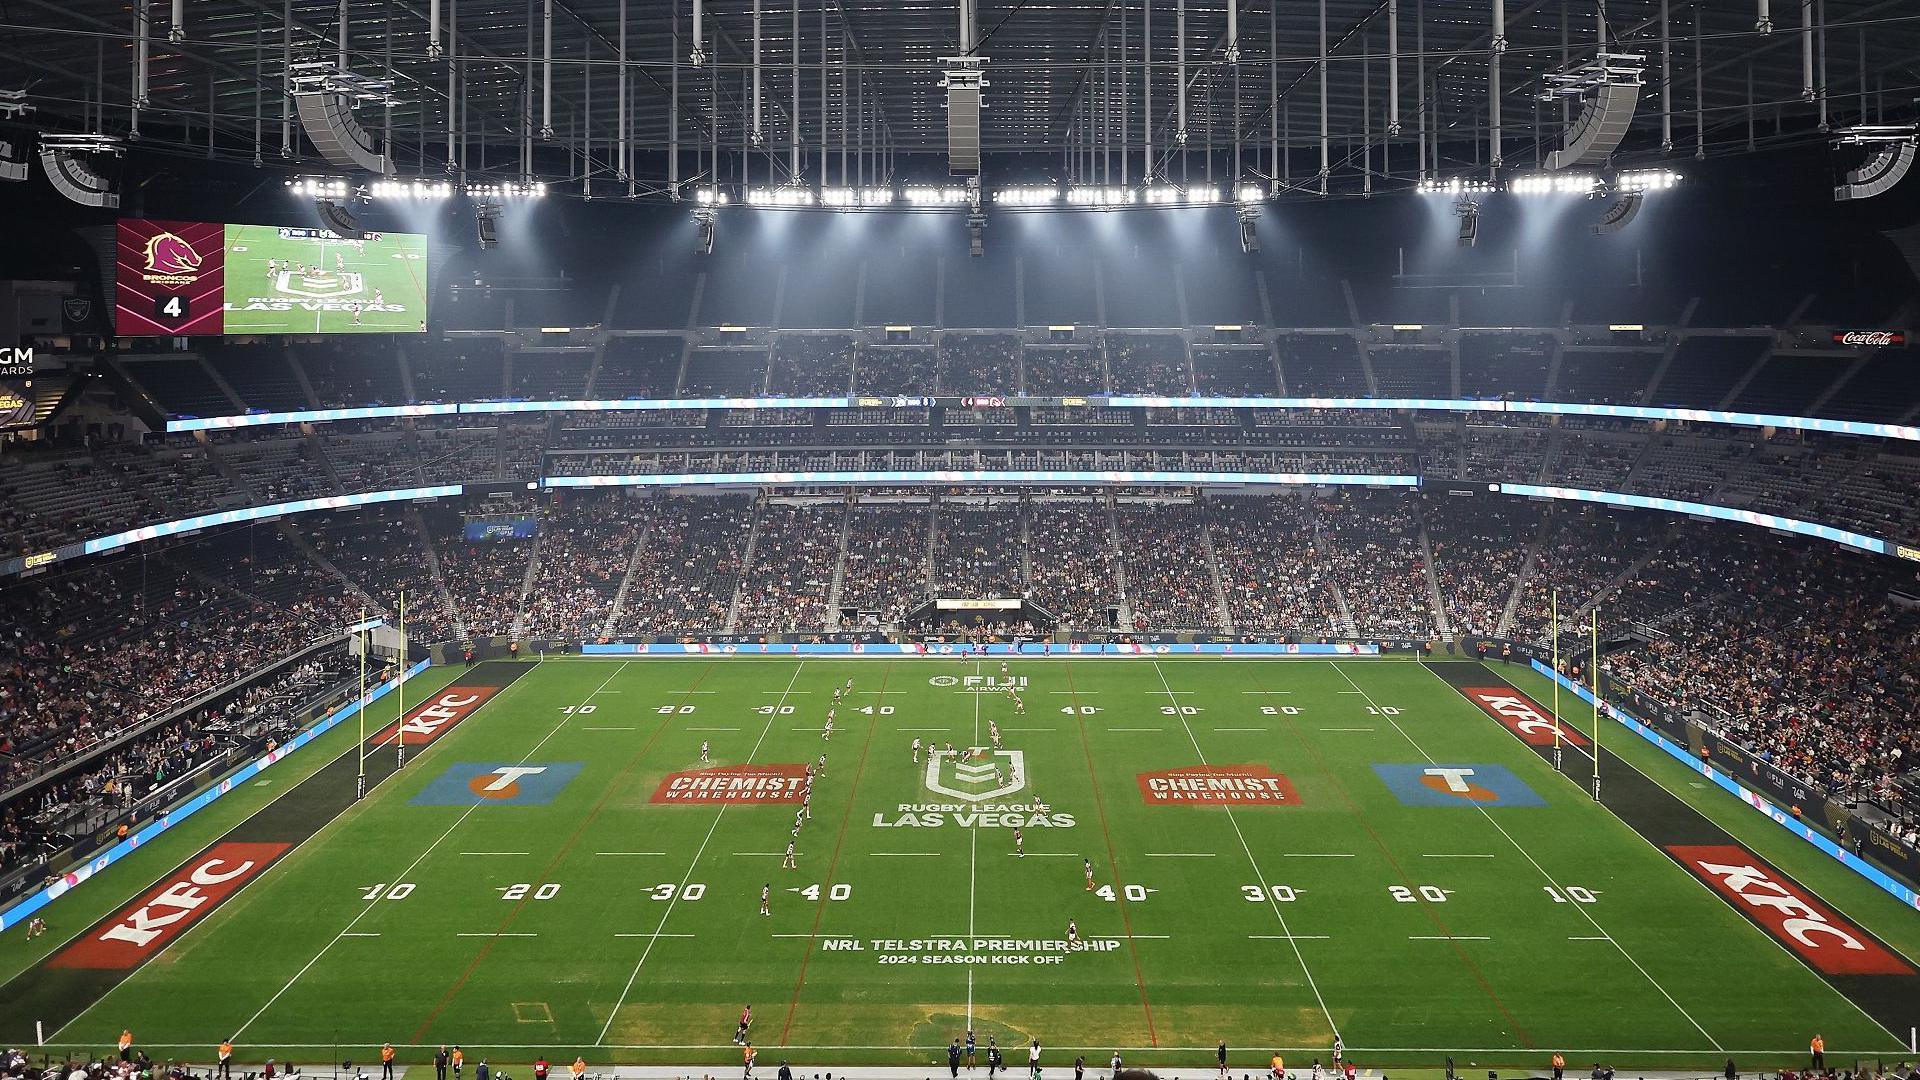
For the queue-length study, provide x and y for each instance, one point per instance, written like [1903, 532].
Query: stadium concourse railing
[24, 909]
[1839, 829]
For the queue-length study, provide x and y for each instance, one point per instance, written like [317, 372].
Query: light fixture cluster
[780, 196]
[1102, 196]
[319, 187]
[512, 189]
[1169, 195]
[1027, 196]
[707, 196]
[419, 189]
[1558, 183]
[850, 198]
[1455, 186]
[932, 195]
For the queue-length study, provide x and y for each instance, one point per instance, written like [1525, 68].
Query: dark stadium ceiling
[1049, 62]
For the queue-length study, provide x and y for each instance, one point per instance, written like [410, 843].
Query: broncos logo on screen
[169, 254]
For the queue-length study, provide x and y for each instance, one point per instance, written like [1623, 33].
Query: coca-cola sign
[1868, 338]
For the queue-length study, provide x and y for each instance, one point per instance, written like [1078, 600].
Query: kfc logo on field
[1811, 929]
[976, 774]
[1218, 785]
[436, 716]
[1521, 716]
[146, 927]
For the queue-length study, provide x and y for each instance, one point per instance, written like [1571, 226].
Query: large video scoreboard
[192, 279]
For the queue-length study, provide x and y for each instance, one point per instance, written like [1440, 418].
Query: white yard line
[692, 864]
[1579, 909]
[1255, 865]
[565, 716]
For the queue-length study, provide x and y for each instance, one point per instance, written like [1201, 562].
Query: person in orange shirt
[749, 1054]
[459, 1061]
[126, 1044]
[386, 1061]
[226, 1059]
[1559, 1064]
[578, 1068]
[1279, 1069]
[1818, 1046]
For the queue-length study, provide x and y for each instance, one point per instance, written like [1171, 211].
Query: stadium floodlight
[710, 196]
[1174, 195]
[419, 188]
[1249, 193]
[930, 195]
[1582, 184]
[1102, 197]
[1248, 215]
[319, 187]
[486, 217]
[850, 198]
[73, 165]
[786, 196]
[704, 219]
[1469, 212]
[1646, 180]
[1608, 87]
[510, 189]
[1621, 213]
[1027, 196]
[1893, 152]
[1454, 186]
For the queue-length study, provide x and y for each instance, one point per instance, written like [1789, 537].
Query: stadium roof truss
[1316, 96]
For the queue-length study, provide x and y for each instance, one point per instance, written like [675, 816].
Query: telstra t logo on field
[1456, 785]
[483, 783]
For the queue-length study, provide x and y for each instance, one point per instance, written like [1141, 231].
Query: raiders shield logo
[976, 774]
[78, 309]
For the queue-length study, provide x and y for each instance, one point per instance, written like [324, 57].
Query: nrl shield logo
[976, 774]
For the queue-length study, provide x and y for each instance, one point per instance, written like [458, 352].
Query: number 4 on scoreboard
[171, 307]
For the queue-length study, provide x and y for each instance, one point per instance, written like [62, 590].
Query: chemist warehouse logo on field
[485, 783]
[1456, 785]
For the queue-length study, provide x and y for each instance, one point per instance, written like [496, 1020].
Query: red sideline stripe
[145, 927]
[1521, 716]
[1797, 920]
[435, 716]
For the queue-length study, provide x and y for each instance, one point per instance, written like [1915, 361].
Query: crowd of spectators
[1373, 554]
[1478, 547]
[812, 365]
[585, 548]
[979, 364]
[1163, 553]
[1070, 555]
[484, 577]
[886, 566]
[1272, 568]
[977, 549]
[685, 580]
[796, 547]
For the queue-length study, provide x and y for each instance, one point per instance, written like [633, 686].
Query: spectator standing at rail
[541, 1068]
[953, 1058]
[1559, 1065]
[126, 1044]
[386, 1061]
[481, 1072]
[440, 1059]
[1221, 1055]
[747, 1055]
[578, 1069]
[1818, 1046]
[1033, 1060]
[458, 1060]
[226, 1059]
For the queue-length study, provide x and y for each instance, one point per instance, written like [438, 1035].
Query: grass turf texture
[1656, 971]
[395, 265]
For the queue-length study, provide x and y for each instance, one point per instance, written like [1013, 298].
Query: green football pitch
[1390, 863]
[385, 276]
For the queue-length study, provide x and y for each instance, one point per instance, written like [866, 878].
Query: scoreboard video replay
[195, 279]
